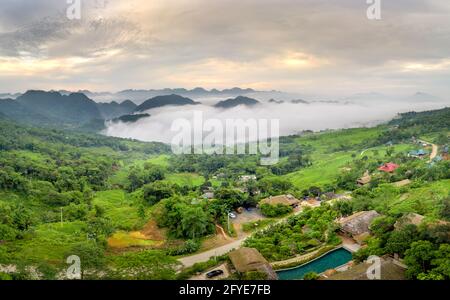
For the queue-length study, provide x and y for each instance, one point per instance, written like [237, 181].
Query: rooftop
[389, 167]
[358, 223]
[410, 218]
[281, 199]
[249, 259]
[390, 270]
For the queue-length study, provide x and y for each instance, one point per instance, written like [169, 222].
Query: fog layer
[293, 118]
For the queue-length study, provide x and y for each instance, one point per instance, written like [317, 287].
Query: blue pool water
[330, 260]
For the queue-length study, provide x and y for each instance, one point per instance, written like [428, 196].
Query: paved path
[189, 261]
[222, 267]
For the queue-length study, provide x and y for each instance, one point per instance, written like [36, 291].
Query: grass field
[188, 179]
[328, 164]
[123, 239]
[120, 208]
[425, 200]
[50, 242]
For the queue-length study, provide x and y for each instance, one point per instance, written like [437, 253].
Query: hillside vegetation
[128, 208]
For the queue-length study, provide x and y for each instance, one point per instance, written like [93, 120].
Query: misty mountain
[75, 108]
[113, 109]
[276, 101]
[12, 109]
[10, 96]
[298, 101]
[130, 118]
[422, 97]
[139, 96]
[240, 100]
[160, 101]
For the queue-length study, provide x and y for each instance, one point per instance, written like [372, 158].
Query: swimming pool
[330, 260]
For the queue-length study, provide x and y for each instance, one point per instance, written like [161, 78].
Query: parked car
[232, 215]
[214, 273]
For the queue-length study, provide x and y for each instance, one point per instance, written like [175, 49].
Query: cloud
[300, 45]
[293, 118]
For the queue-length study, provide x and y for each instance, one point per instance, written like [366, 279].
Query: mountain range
[139, 96]
[77, 110]
[160, 101]
[55, 109]
[240, 100]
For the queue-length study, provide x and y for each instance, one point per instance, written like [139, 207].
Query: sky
[308, 46]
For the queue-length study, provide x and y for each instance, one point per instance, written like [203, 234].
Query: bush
[7, 233]
[311, 276]
[190, 246]
[272, 211]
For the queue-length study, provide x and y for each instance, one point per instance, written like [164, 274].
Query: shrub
[272, 211]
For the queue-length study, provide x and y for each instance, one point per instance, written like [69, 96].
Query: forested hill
[17, 136]
[430, 120]
[415, 124]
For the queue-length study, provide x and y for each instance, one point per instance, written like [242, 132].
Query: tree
[272, 211]
[183, 219]
[156, 191]
[231, 197]
[382, 225]
[194, 222]
[345, 208]
[400, 240]
[418, 258]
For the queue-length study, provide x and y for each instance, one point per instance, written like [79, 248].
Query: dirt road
[434, 152]
[434, 149]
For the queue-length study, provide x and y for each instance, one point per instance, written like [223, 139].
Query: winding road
[189, 261]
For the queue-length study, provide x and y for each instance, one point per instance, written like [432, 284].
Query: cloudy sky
[310, 46]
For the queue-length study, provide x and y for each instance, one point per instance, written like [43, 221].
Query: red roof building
[389, 167]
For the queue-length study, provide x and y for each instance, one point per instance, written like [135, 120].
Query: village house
[357, 225]
[365, 179]
[310, 202]
[249, 259]
[421, 153]
[390, 269]
[287, 200]
[408, 219]
[388, 167]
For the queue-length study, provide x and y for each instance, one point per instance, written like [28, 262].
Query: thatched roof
[249, 259]
[288, 200]
[311, 203]
[401, 183]
[358, 223]
[408, 219]
[365, 179]
[389, 271]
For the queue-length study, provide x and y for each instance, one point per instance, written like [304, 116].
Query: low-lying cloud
[293, 118]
